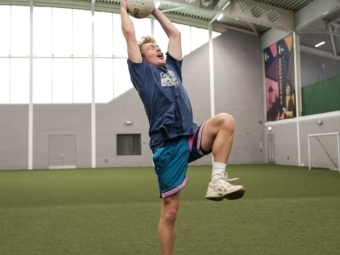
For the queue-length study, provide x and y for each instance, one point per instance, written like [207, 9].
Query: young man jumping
[174, 138]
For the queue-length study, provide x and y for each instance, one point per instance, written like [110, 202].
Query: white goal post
[326, 147]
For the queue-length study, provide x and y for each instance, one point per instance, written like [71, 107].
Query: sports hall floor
[286, 210]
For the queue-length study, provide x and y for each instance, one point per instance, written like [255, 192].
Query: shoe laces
[225, 177]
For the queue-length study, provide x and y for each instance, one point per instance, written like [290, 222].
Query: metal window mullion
[72, 54]
[332, 40]
[30, 107]
[93, 104]
[52, 61]
[113, 62]
[10, 56]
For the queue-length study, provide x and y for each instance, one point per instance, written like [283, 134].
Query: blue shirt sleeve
[138, 73]
[176, 64]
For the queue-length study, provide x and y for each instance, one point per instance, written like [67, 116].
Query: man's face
[153, 54]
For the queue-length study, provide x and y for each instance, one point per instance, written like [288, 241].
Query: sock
[217, 171]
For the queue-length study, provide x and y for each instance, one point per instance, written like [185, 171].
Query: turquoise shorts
[171, 161]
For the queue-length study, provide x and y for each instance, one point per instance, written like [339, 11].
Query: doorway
[62, 151]
[271, 149]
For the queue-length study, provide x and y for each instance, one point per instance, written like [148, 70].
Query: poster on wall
[279, 80]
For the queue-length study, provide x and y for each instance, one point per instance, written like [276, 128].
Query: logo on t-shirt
[168, 79]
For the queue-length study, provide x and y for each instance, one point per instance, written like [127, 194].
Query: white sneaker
[223, 189]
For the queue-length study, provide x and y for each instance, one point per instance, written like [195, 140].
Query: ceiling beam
[213, 19]
[319, 25]
[285, 20]
[236, 10]
[172, 9]
[332, 40]
[334, 20]
[313, 12]
[253, 28]
[218, 27]
[272, 36]
[318, 32]
[321, 53]
[336, 27]
[15, 2]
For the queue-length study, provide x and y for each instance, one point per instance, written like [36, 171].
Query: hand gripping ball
[140, 8]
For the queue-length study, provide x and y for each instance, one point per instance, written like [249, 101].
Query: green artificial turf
[286, 210]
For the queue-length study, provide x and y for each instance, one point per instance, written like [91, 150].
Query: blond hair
[144, 40]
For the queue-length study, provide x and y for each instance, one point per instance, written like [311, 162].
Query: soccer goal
[324, 151]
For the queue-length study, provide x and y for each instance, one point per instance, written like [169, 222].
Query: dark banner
[279, 79]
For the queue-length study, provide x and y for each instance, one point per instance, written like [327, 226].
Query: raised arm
[175, 46]
[129, 34]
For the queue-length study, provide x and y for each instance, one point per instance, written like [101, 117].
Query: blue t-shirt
[165, 100]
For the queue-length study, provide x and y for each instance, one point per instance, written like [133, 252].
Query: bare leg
[167, 224]
[218, 135]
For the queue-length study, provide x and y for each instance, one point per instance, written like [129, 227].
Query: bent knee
[226, 121]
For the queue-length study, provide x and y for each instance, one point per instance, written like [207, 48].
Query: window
[104, 34]
[128, 144]
[14, 52]
[62, 49]
[62, 54]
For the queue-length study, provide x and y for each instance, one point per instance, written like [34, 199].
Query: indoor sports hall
[77, 174]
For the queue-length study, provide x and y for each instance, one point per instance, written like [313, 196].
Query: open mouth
[160, 55]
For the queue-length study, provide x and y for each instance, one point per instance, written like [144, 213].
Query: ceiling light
[220, 16]
[319, 44]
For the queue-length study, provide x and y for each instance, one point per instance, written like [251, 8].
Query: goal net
[324, 151]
